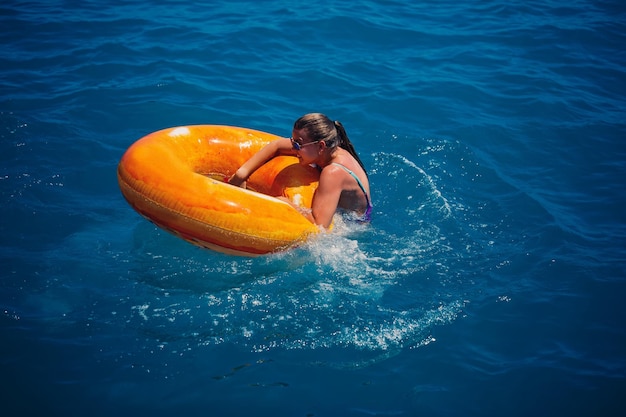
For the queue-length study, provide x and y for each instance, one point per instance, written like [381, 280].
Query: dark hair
[320, 128]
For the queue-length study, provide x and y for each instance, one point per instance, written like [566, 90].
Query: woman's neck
[327, 157]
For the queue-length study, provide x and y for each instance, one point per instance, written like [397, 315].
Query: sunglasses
[297, 146]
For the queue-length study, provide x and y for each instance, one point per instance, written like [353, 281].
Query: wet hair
[320, 128]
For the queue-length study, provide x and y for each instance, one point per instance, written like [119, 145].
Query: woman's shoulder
[343, 173]
[345, 161]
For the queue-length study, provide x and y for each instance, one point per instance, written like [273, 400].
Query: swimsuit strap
[358, 181]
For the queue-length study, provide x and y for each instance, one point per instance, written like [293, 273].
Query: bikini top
[367, 216]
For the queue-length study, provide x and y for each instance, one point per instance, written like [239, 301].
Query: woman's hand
[237, 179]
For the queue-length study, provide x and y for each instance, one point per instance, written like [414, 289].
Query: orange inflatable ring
[176, 178]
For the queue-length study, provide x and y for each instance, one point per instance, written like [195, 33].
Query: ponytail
[344, 142]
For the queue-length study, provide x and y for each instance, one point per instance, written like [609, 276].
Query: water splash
[365, 288]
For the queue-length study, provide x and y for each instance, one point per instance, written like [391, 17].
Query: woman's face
[308, 151]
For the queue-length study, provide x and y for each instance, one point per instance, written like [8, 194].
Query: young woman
[317, 140]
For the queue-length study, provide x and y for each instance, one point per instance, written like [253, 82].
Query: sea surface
[491, 281]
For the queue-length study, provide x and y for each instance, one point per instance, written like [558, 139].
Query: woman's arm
[326, 197]
[269, 151]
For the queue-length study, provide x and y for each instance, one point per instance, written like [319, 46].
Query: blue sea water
[491, 281]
